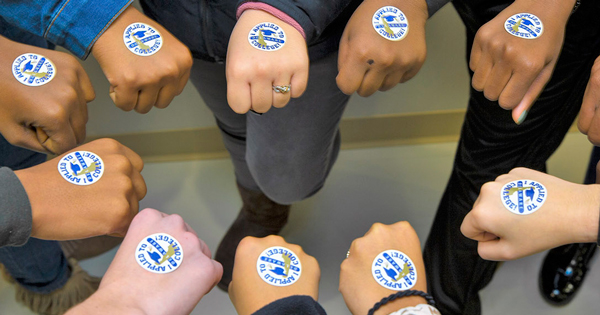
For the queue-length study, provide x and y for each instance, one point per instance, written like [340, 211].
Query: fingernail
[522, 117]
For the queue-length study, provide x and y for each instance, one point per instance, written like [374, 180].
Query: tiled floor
[365, 186]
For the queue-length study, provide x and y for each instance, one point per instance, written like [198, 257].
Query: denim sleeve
[15, 210]
[293, 305]
[73, 24]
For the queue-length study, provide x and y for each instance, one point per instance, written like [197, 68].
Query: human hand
[252, 73]
[589, 116]
[357, 285]
[249, 293]
[569, 215]
[369, 62]
[62, 210]
[141, 82]
[49, 118]
[127, 288]
[514, 70]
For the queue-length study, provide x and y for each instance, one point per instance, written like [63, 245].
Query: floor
[369, 185]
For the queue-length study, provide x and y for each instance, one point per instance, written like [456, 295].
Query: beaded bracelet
[400, 294]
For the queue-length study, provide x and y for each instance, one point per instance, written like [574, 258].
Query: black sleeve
[15, 210]
[293, 305]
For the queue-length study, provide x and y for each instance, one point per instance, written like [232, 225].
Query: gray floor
[371, 185]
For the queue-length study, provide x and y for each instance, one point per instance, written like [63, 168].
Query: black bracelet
[400, 294]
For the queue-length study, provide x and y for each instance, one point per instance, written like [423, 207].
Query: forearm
[101, 303]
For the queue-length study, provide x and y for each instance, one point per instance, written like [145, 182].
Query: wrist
[590, 217]
[103, 302]
[272, 11]
[397, 304]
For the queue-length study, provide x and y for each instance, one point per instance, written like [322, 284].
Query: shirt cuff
[271, 10]
[15, 210]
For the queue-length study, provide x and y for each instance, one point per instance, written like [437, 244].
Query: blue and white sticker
[279, 266]
[142, 39]
[159, 253]
[81, 168]
[267, 36]
[523, 196]
[394, 270]
[391, 23]
[524, 25]
[33, 69]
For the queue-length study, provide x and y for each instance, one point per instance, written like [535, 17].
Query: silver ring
[347, 254]
[282, 88]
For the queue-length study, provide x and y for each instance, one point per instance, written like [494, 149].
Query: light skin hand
[357, 285]
[127, 288]
[368, 62]
[513, 70]
[589, 115]
[142, 82]
[50, 118]
[249, 293]
[63, 211]
[569, 215]
[252, 73]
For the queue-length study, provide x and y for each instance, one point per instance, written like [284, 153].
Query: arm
[15, 226]
[127, 288]
[569, 214]
[514, 70]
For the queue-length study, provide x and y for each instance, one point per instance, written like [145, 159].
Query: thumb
[520, 112]
[492, 250]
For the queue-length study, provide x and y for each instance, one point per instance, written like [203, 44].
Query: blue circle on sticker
[142, 39]
[279, 266]
[159, 253]
[267, 36]
[33, 69]
[524, 25]
[394, 270]
[523, 196]
[390, 23]
[81, 167]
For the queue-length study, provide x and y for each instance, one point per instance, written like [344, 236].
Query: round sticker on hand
[394, 270]
[159, 253]
[142, 39]
[267, 36]
[524, 25]
[279, 266]
[81, 168]
[33, 69]
[391, 23]
[523, 196]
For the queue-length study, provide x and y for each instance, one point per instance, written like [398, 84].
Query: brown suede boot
[259, 217]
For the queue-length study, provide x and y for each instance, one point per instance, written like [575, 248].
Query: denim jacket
[73, 24]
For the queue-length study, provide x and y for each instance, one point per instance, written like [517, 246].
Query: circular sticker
[390, 23]
[33, 69]
[81, 167]
[267, 36]
[524, 25]
[159, 253]
[394, 270]
[523, 196]
[279, 266]
[142, 39]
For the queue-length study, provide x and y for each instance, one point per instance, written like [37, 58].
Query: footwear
[259, 217]
[563, 271]
[89, 247]
[78, 288]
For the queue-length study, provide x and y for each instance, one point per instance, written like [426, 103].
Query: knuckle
[121, 164]
[109, 145]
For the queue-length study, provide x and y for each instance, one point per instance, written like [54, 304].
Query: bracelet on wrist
[401, 294]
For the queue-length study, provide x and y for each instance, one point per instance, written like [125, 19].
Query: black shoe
[563, 271]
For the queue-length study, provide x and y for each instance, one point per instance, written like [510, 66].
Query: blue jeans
[39, 266]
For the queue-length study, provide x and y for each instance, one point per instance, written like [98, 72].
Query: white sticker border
[261, 267]
[377, 266]
[65, 170]
[508, 26]
[537, 202]
[274, 27]
[19, 75]
[154, 270]
[376, 24]
[147, 27]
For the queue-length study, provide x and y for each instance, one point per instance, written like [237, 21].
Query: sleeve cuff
[15, 210]
[271, 10]
[434, 5]
[295, 304]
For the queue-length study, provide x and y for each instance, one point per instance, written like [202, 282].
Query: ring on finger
[282, 88]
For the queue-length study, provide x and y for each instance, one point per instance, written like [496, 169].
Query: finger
[139, 185]
[146, 100]
[124, 98]
[497, 81]
[351, 75]
[476, 53]
[591, 100]
[135, 160]
[261, 96]
[30, 138]
[79, 118]
[60, 140]
[166, 95]
[190, 229]
[86, 85]
[299, 82]
[594, 130]
[520, 112]
[391, 80]
[204, 248]
[281, 99]
[183, 80]
[371, 83]
[238, 96]
[482, 71]
[134, 209]
[470, 227]
[491, 250]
